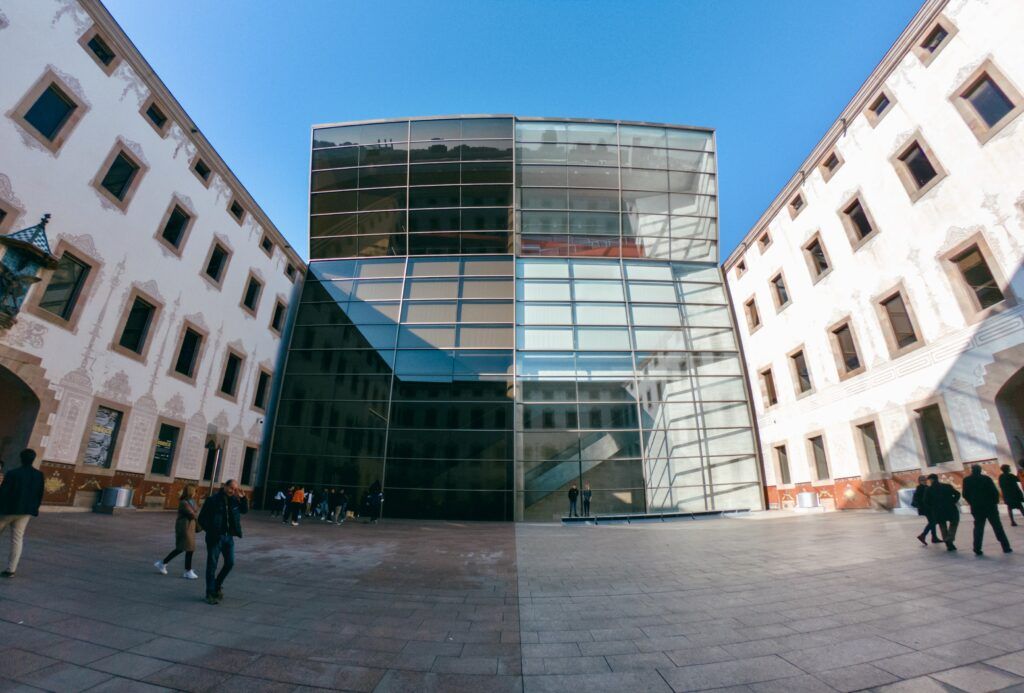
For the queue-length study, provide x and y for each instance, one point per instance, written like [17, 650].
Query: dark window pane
[818, 259]
[189, 352]
[202, 169]
[899, 320]
[156, 115]
[339, 179]
[385, 198]
[486, 196]
[872, 447]
[991, 102]
[252, 293]
[64, 287]
[262, 385]
[880, 104]
[935, 39]
[783, 459]
[979, 278]
[335, 158]
[487, 128]
[434, 196]
[218, 258]
[175, 227]
[917, 163]
[50, 111]
[434, 220]
[768, 382]
[278, 320]
[435, 130]
[136, 327]
[230, 381]
[485, 150]
[781, 294]
[434, 151]
[236, 210]
[383, 154]
[119, 177]
[371, 133]
[847, 349]
[820, 458]
[248, 464]
[381, 176]
[164, 449]
[859, 218]
[101, 50]
[803, 374]
[434, 174]
[933, 431]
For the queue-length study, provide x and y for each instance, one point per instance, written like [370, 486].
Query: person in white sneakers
[184, 533]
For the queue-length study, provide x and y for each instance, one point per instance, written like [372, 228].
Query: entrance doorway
[19, 408]
[1010, 403]
[209, 466]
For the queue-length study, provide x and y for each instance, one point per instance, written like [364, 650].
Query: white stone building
[879, 296]
[151, 338]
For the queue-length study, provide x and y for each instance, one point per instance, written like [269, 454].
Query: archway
[1010, 404]
[19, 408]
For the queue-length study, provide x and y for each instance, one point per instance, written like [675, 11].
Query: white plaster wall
[35, 34]
[983, 191]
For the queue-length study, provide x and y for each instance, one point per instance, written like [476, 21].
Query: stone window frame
[254, 311]
[216, 283]
[196, 160]
[270, 385]
[279, 300]
[232, 202]
[965, 297]
[239, 377]
[912, 409]
[856, 242]
[205, 335]
[154, 322]
[741, 268]
[979, 127]
[764, 241]
[179, 249]
[752, 327]
[837, 354]
[120, 148]
[10, 215]
[264, 240]
[796, 205]
[777, 465]
[152, 101]
[812, 465]
[811, 267]
[858, 443]
[115, 457]
[826, 172]
[779, 307]
[762, 386]
[796, 378]
[291, 272]
[256, 460]
[180, 425]
[903, 171]
[924, 55]
[17, 114]
[36, 293]
[896, 351]
[83, 41]
[873, 118]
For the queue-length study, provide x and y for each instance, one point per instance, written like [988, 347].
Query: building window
[119, 177]
[753, 317]
[932, 426]
[188, 353]
[801, 373]
[175, 227]
[771, 397]
[103, 437]
[779, 292]
[164, 449]
[817, 258]
[251, 297]
[871, 447]
[237, 211]
[136, 325]
[156, 117]
[217, 263]
[259, 400]
[858, 223]
[267, 245]
[977, 276]
[782, 458]
[796, 205]
[830, 165]
[290, 271]
[879, 107]
[935, 39]
[917, 168]
[741, 267]
[248, 465]
[821, 470]
[901, 325]
[988, 101]
[50, 112]
[277, 319]
[845, 348]
[229, 379]
[101, 50]
[764, 241]
[201, 170]
[65, 286]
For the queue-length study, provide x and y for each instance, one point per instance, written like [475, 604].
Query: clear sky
[769, 75]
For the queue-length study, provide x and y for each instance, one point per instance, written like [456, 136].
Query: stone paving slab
[838, 602]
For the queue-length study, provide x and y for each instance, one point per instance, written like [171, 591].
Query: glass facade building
[499, 307]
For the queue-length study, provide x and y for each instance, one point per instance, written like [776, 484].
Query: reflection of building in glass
[498, 308]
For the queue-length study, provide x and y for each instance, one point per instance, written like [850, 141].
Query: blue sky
[769, 76]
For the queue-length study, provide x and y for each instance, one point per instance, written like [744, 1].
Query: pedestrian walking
[294, 511]
[323, 510]
[920, 501]
[221, 518]
[573, 495]
[280, 502]
[981, 494]
[942, 500]
[184, 533]
[21, 492]
[1009, 484]
[374, 501]
[309, 503]
[340, 506]
[587, 493]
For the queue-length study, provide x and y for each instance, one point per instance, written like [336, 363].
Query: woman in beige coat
[184, 533]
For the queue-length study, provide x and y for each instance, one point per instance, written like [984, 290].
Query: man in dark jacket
[20, 495]
[221, 519]
[920, 501]
[942, 500]
[573, 495]
[1009, 485]
[981, 493]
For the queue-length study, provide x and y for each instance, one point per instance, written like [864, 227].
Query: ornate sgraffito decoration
[54, 484]
[25, 253]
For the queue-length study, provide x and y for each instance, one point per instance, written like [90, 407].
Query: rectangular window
[50, 112]
[267, 245]
[857, 221]
[218, 260]
[871, 446]
[779, 291]
[248, 465]
[174, 229]
[277, 321]
[937, 448]
[879, 106]
[753, 317]
[290, 271]
[232, 367]
[101, 50]
[801, 372]
[106, 426]
[202, 170]
[741, 267]
[252, 294]
[118, 178]
[991, 102]
[830, 165]
[978, 277]
[783, 459]
[771, 397]
[821, 469]
[763, 241]
[796, 205]
[156, 116]
[136, 326]
[935, 38]
[188, 354]
[846, 349]
[163, 451]
[900, 324]
[262, 390]
[237, 211]
[816, 258]
[65, 286]
[919, 169]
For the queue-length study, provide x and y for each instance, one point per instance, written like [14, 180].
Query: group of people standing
[574, 494]
[329, 505]
[939, 503]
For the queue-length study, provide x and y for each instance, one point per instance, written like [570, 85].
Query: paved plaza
[768, 603]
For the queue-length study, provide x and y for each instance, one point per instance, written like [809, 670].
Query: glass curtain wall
[497, 309]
